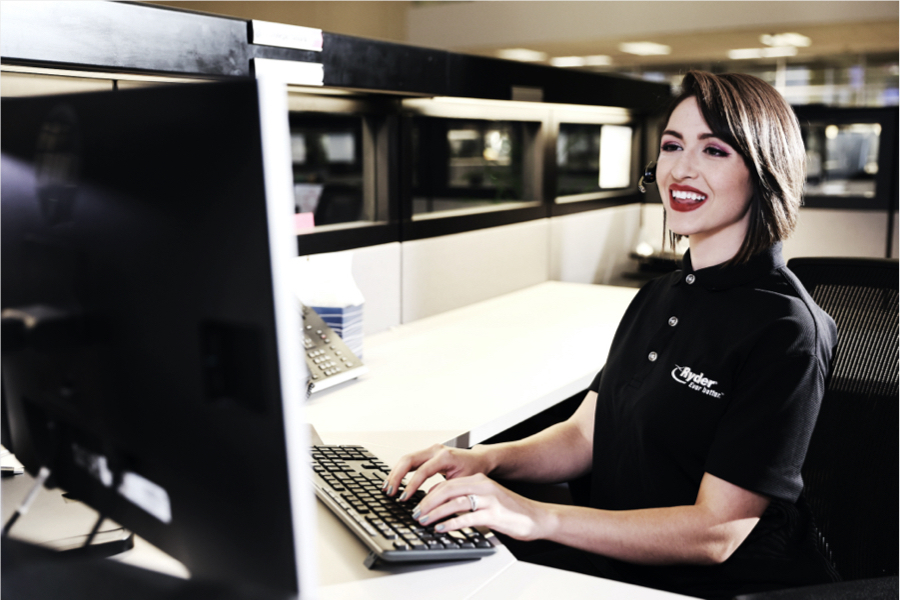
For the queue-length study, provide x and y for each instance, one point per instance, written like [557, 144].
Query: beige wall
[455, 25]
[378, 20]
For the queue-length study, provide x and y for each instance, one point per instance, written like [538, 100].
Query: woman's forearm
[703, 533]
[658, 536]
[559, 453]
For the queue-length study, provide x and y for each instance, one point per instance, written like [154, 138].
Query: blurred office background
[453, 198]
[824, 57]
[833, 53]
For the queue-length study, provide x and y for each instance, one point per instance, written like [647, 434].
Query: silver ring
[473, 502]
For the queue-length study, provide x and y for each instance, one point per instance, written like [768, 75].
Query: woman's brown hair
[754, 119]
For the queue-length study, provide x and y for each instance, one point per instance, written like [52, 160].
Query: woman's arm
[706, 532]
[559, 453]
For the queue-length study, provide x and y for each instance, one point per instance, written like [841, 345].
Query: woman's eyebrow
[702, 136]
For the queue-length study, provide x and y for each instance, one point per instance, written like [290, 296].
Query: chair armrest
[860, 589]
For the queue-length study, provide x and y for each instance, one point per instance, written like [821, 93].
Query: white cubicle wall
[819, 232]
[595, 246]
[827, 232]
[452, 271]
[376, 271]
[404, 282]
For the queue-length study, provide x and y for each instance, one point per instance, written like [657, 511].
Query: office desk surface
[463, 376]
[460, 378]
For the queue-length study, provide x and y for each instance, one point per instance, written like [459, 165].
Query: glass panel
[842, 160]
[591, 158]
[615, 156]
[466, 164]
[578, 159]
[848, 79]
[328, 167]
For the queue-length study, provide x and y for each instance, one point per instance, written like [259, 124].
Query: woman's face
[704, 183]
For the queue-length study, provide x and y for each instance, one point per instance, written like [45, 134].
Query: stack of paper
[347, 322]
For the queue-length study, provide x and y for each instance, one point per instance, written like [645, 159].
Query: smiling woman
[738, 130]
[694, 432]
[705, 186]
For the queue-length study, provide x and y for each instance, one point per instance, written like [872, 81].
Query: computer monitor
[151, 339]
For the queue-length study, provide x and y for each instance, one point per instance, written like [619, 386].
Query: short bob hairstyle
[754, 119]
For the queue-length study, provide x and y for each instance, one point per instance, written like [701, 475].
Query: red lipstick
[690, 198]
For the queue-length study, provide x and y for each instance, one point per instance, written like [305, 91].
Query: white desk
[459, 378]
[463, 376]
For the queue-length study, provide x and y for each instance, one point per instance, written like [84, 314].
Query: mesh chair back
[851, 470]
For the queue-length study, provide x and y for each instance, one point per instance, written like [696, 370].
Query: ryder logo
[696, 381]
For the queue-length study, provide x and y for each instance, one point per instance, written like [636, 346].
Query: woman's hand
[478, 501]
[438, 459]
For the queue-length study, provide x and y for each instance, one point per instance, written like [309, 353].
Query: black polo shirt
[719, 370]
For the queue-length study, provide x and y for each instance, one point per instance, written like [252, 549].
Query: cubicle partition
[452, 178]
[465, 176]
[391, 143]
[406, 281]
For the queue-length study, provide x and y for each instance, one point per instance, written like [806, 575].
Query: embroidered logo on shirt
[696, 381]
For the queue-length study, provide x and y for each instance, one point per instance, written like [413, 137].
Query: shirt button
[690, 279]
[652, 357]
[673, 321]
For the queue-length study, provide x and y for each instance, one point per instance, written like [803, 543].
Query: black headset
[649, 176]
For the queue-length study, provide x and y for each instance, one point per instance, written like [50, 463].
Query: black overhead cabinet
[386, 86]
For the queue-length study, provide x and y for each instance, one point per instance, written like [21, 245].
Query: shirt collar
[720, 277]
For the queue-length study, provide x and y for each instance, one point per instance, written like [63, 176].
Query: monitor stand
[31, 571]
[98, 543]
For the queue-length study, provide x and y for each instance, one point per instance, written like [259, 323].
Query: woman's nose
[684, 167]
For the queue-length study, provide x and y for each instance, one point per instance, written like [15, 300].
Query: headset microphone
[649, 176]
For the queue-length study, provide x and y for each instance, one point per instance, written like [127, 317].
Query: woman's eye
[716, 151]
[669, 147]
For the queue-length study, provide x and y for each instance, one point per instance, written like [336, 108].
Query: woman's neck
[708, 251]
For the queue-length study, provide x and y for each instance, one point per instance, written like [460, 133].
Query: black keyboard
[348, 479]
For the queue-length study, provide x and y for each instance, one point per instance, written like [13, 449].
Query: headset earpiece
[649, 176]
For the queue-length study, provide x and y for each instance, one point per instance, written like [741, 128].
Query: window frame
[415, 227]
[572, 204]
[542, 157]
[380, 126]
[886, 180]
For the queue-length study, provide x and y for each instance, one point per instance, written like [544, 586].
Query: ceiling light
[785, 39]
[522, 55]
[746, 53]
[645, 48]
[568, 61]
[597, 60]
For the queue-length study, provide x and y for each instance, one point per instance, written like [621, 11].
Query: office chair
[850, 473]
